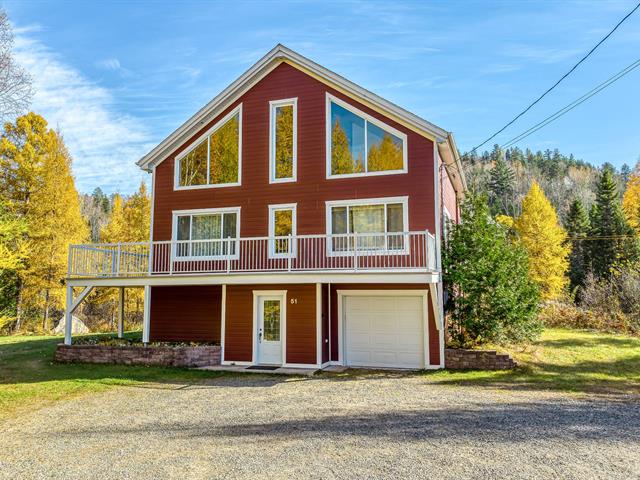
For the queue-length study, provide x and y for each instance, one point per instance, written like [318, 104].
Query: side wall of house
[312, 189]
[186, 313]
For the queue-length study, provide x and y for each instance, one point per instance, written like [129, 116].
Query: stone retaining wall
[199, 356]
[455, 359]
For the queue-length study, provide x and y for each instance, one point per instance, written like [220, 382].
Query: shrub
[492, 298]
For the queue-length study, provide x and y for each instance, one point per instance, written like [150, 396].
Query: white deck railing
[411, 251]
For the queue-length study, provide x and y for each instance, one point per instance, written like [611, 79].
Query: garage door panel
[384, 331]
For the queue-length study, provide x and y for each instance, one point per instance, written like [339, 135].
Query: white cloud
[104, 142]
[109, 64]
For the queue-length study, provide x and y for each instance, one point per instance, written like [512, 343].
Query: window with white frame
[359, 144]
[214, 159]
[283, 140]
[206, 233]
[282, 227]
[367, 225]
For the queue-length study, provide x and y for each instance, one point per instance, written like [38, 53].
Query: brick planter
[200, 356]
[455, 359]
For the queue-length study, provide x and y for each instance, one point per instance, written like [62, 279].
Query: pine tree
[37, 184]
[631, 201]
[501, 187]
[577, 227]
[612, 249]
[544, 239]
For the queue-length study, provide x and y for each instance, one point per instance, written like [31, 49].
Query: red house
[296, 221]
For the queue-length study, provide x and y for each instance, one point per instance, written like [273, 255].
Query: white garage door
[384, 331]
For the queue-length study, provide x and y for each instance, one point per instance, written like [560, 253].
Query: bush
[492, 298]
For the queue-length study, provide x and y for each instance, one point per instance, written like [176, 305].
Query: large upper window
[368, 225]
[214, 159]
[282, 140]
[282, 227]
[359, 144]
[206, 233]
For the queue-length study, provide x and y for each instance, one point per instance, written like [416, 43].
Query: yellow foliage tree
[38, 187]
[631, 201]
[541, 234]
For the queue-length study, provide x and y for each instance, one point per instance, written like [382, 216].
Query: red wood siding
[301, 322]
[434, 339]
[186, 314]
[312, 188]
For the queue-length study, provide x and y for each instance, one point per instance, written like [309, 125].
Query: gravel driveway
[370, 426]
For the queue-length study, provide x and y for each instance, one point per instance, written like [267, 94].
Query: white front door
[270, 329]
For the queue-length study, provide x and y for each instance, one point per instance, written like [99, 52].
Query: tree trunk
[45, 320]
[19, 312]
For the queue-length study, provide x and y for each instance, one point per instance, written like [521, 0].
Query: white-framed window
[283, 140]
[282, 230]
[206, 234]
[215, 158]
[369, 225]
[361, 145]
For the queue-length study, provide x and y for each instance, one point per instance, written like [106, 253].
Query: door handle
[260, 336]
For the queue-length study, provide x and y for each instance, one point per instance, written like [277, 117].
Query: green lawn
[29, 378]
[566, 360]
[577, 361]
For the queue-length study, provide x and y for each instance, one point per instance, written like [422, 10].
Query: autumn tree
[284, 146]
[341, 159]
[223, 152]
[577, 225]
[37, 185]
[387, 155]
[631, 200]
[541, 234]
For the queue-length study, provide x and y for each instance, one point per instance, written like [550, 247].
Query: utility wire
[561, 79]
[573, 104]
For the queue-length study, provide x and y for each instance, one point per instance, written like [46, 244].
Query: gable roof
[266, 64]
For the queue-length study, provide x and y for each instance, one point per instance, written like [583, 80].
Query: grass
[30, 379]
[562, 360]
[578, 361]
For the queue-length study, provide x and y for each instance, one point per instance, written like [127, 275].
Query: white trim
[273, 105]
[367, 119]
[238, 363]
[301, 365]
[341, 294]
[205, 137]
[329, 204]
[146, 318]
[257, 72]
[371, 276]
[197, 212]
[319, 342]
[223, 320]
[438, 292]
[283, 322]
[272, 229]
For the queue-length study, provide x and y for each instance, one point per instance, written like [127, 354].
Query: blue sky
[117, 77]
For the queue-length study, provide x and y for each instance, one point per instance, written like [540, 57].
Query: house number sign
[294, 301]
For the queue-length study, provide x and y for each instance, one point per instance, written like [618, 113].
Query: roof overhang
[453, 165]
[281, 54]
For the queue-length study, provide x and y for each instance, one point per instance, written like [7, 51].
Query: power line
[573, 104]
[560, 80]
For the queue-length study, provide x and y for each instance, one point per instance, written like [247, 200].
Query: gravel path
[373, 426]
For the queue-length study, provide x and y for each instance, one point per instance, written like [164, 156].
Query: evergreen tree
[625, 173]
[501, 187]
[492, 297]
[541, 234]
[607, 220]
[577, 227]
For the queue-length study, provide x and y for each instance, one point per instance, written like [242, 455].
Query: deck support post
[121, 312]
[68, 316]
[146, 319]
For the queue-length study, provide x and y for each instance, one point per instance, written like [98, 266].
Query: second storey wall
[311, 189]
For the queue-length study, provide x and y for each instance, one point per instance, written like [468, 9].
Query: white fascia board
[277, 55]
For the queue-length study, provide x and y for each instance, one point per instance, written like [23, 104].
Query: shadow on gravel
[508, 422]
